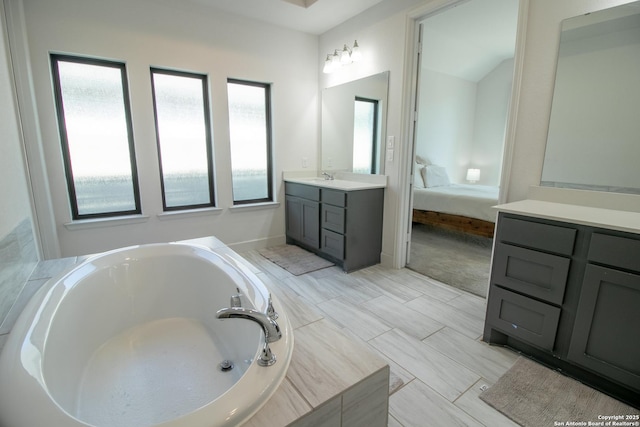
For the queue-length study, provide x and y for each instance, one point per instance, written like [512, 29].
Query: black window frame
[269, 140]
[55, 72]
[375, 143]
[208, 134]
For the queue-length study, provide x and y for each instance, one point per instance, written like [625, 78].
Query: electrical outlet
[390, 155]
[305, 162]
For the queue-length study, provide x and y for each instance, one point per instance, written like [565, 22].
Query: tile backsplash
[18, 258]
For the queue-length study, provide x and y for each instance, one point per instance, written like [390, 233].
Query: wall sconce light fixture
[342, 57]
[473, 175]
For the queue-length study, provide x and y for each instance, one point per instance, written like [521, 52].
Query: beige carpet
[457, 259]
[533, 395]
[294, 259]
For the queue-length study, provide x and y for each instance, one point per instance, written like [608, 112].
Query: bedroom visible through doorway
[466, 60]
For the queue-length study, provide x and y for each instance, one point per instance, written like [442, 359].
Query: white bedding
[473, 201]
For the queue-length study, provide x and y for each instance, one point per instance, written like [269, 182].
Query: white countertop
[337, 184]
[585, 215]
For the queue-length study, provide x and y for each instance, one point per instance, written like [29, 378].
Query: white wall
[150, 33]
[445, 132]
[385, 40]
[493, 95]
[184, 36]
[381, 33]
[462, 123]
[18, 249]
[15, 206]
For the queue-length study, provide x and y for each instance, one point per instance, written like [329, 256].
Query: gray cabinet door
[311, 223]
[293, 217]
[606, 332]
[303, 221]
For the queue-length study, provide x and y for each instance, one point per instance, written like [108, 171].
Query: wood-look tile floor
[428, 332]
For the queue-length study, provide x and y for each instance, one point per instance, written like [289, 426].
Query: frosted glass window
[250, 134]
[97, 142]
[184, 139]
[365, 135]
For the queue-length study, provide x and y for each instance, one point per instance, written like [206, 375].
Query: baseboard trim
[250, 245]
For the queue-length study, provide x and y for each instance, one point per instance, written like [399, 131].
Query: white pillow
[422, 160]
[418, 175]
[436, 176]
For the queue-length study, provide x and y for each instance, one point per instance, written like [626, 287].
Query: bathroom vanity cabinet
[568, 295]
[343, 226]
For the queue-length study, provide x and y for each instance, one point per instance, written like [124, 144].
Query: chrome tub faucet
[266, 321]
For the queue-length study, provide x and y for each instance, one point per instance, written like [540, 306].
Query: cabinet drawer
[615, 251]
[535, 274]
[332, 244]
[545, 237]
[334, 197]
[300, 190]
[605, 332]
[524, 318]
[333, 218]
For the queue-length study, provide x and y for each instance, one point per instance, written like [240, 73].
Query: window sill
[169, 215]
[85, 224]
[255, 206]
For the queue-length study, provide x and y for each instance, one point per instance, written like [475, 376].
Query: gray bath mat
[294, 259]
[533, 395]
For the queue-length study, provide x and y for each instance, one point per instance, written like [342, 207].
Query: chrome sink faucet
[327, 176]
[267, 321]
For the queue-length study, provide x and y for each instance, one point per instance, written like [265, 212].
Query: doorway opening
[464, 83]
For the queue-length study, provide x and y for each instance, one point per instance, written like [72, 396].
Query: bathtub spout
[269, 326]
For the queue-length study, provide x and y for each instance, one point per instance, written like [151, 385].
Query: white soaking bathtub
[130, 338]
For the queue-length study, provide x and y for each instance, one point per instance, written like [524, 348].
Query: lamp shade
[356, 54]
[328, 65]
[345, 56]
[473, 175]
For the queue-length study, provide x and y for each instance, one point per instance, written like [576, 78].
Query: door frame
[412, 61]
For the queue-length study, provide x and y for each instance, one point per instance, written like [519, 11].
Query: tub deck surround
[331, 380]
[130, 338]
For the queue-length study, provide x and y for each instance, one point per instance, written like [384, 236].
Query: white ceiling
[470, 40]
[309, 16]
[466, 41]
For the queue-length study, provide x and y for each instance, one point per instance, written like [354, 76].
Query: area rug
[294, 259]
[532, 395]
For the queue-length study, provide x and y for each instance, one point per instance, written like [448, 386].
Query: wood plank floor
[428, 332]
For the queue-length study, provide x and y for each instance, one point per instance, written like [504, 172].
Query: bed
[461, 207]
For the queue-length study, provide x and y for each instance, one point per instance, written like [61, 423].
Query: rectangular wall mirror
[594, 129]
[354, 121]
